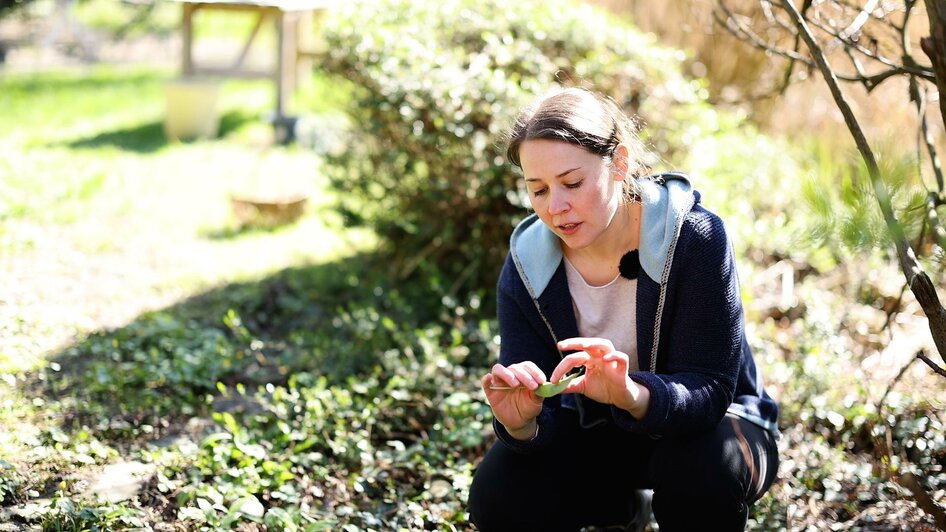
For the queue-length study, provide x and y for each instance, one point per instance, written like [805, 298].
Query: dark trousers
[589, 477]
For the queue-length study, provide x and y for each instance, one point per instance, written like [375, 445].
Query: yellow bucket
[191, 108]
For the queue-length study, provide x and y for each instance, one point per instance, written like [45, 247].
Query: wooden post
[187, 40]
[278, 74]
[286, 59]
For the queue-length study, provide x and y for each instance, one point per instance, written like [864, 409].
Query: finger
[594, 346]
[504, 375]
[616, 356]
[525, 377]
[534, 370]
[569, 363]
[617, 362]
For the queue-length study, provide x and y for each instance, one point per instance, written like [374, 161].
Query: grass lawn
[102, 218]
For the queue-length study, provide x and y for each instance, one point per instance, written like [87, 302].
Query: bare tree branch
[935, 47]
[933, 199]
[894, 310]
[744, 32]
[891, 384]
[923, 499]
[905, 32]
[789, 69]
[929, 362]
[886, 9]
[858, 66]
[906, 67]
[767, 11]
[855, 27]
[916, 278]
[773, 18]
[735, 25]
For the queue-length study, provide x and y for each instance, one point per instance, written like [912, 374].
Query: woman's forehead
[553, 159]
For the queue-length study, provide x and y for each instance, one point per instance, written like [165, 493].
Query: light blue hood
[665, 201]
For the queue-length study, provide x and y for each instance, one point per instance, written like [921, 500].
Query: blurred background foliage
[323, 375]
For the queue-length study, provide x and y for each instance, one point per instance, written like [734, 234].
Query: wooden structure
[292, 23]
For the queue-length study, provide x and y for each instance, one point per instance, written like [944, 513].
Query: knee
[493, 508]
[496, 500]
[482, 505]
[703, 467]
[508, 493]
[699, 480]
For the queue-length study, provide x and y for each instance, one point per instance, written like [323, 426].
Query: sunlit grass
[103, 219]
[90, 186]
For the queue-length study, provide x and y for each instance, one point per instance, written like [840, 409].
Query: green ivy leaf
[248, 507]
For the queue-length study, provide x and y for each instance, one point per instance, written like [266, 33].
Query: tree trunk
[935, 47]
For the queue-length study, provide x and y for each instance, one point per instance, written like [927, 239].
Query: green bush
[10, 5]
[438, 83]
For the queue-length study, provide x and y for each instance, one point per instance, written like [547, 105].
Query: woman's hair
[583, 118]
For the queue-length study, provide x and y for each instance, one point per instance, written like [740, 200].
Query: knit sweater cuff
[657, 410]
[546, 425]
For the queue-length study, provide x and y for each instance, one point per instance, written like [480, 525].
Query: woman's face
[571, 189]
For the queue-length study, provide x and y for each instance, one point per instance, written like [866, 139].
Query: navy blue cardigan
[703, 367]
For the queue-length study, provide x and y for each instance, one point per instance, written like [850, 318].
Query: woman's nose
[558, 203]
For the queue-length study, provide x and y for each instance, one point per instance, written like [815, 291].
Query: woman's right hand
[510, 391]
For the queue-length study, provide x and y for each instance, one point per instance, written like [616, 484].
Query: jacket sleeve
[521, 340]
[701, 346]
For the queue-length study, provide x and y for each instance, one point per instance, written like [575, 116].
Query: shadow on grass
[146, 138]
[360, 358]
[334, 320]
[150, 137]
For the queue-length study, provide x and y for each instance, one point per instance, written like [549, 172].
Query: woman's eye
[539, 192]
[576, 184]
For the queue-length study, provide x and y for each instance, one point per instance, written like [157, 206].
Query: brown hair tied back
[583, 118]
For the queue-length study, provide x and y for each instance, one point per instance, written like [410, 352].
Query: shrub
[438, 84]
[10, 5]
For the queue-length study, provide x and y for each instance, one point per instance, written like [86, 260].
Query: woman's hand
[510, 392]
[605, 379]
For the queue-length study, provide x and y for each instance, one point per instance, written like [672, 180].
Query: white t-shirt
[606, 311]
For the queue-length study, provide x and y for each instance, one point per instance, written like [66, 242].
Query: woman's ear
[620, 162]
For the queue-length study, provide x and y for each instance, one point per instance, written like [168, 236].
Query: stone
[121, 481]
[26, 512]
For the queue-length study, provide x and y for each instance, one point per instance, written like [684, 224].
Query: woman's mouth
[569, 229]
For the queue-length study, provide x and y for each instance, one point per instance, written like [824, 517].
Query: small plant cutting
[549, 389]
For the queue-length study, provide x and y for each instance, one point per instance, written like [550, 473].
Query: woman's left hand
[606, 378]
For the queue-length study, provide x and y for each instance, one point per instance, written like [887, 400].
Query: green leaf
[552, 389]
[212, 440]
[205, 505]
[249, 506]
